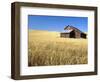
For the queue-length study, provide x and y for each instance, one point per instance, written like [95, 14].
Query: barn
[72, 32]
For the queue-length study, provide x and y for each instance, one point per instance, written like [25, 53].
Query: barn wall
[77, 34]
[65, 35]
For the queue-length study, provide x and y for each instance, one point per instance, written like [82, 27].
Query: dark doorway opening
[83, 35]
[72, 34]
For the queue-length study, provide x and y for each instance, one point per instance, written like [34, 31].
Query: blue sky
[56, 23]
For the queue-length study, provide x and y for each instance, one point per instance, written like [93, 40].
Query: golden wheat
[47, 48]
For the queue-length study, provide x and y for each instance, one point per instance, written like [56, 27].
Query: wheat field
[46, 48]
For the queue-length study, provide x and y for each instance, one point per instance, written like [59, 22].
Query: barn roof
[72, 27]
[67, 31]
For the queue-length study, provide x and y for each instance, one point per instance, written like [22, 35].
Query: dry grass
[47, 48]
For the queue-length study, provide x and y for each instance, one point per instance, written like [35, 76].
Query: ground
[48, 48]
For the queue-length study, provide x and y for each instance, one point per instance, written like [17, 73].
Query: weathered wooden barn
[72, 32]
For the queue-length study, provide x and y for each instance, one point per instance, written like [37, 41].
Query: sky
[56, 23]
